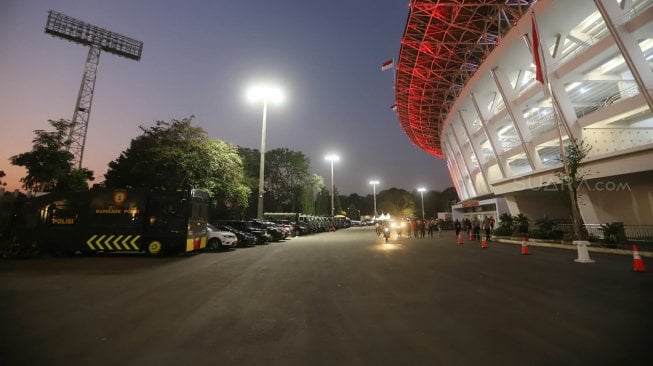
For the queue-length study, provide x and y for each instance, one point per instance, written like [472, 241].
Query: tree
[354, 205]
[323, 202]
[174, 155]
[288, 185]
[397, 202]
[309, 193]
[2, 175]
[287, 173]
[251, 163]
[571, 177]
[49, 166]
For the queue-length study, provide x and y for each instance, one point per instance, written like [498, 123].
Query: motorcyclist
[386, 232]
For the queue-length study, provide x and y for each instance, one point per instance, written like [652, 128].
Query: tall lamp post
[374, 183]
[332, 158]
[266, 94]
[421, 191]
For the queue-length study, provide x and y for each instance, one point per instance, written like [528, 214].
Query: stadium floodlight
[97, 39]
[421, 191]
[266, 94]
[332, 158]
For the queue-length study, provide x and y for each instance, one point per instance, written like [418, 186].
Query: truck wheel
[154, 248]
[215, 244]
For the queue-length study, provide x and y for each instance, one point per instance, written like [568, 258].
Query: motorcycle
[386, 233]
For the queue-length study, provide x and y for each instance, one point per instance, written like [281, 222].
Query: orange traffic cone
[460, 238]
[471, 237]
[524, 247]
[484, 244]
[638, 263]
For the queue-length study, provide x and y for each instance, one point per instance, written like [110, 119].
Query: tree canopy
[49, 165]
[174, 155]
[397, 202]
[289, 186]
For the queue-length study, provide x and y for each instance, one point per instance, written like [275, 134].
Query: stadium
[467, 91]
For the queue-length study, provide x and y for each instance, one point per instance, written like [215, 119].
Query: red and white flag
[387, 65]
[539, 75]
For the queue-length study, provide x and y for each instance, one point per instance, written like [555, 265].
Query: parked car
[291, 227]
[271, 228]
[245, 239]
[261, 235]
[219, 239]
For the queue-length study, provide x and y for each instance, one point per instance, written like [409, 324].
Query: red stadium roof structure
[443, 44]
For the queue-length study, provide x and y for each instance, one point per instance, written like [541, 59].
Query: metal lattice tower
[97, 39]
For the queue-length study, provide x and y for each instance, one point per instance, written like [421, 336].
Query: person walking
[477, 230]
[486, 228]
[457, 227]
[422, 228]
[415, 228]
[440, 223]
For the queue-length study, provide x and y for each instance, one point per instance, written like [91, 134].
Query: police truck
[115, 220]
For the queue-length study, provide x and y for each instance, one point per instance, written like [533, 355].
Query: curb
[573, 247]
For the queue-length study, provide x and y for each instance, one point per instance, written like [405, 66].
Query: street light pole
[265, 94]
[421, 191]
[374, 183]
[261, 175]
[332, 158]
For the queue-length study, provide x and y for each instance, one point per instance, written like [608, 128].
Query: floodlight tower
[97, 39]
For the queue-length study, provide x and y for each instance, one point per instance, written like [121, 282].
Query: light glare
[332, 157]
[268, 93]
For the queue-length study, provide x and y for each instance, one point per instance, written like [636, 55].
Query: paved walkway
[591, 248]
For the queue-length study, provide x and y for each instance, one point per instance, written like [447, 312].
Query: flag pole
[576, 216]
[394, 74]
[538, 53]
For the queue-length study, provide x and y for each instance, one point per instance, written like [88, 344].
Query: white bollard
[583, 253]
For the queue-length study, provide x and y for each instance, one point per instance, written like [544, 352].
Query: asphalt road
[342, 298]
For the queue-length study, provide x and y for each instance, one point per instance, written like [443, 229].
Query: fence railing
[639, 233]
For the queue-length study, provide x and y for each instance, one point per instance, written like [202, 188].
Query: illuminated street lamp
[266, 94]
[374, 183]
[332, 158]
[421, 191]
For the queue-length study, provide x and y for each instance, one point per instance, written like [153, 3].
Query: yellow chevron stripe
[133, 242]
[116, 243]
[98, 242]
[89, 242]
[108, 242]
[125, 243]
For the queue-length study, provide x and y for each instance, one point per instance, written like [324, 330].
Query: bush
[505, 221]
[544, 223]
[568, 237]
[520, 224]
[502, 231]
[613, 233]
[539, 234]
[556, 234]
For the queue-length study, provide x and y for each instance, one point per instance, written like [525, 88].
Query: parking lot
[332, 298]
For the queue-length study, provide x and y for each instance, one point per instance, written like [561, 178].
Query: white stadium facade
[466, 91]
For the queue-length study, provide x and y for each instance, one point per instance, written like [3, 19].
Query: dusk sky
[198, 59]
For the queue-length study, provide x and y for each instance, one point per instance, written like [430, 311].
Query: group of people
[416, 227]
[422, 228]
[474, 227]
